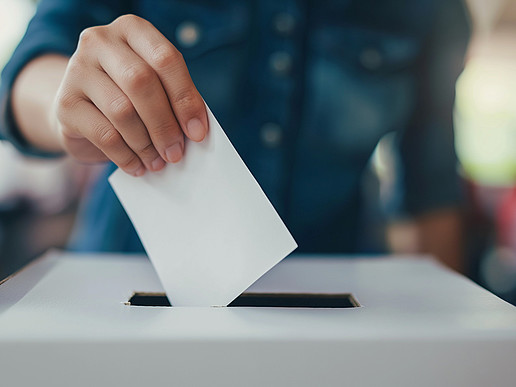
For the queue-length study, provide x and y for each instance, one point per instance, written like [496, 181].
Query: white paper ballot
[205, 223]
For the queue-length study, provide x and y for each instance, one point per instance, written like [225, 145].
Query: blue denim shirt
[304, 90]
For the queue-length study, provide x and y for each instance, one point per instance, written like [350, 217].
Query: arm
[54, 30]
[427, 179]
[32, 99]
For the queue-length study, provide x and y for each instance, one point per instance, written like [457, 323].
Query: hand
[127, 96]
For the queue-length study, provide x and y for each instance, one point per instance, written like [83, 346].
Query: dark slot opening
[148, 299]
[270, 300]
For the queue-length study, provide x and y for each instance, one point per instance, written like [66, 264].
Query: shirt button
[284, 24]
[271, 134]
[280, 62]
[371, 58]
[188, 34]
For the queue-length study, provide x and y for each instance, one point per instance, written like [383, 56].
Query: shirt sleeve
[55, 28]
[426, 176]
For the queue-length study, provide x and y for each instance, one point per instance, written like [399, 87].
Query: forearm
[33, 95]
[438, 234]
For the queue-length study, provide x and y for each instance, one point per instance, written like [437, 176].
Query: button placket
[284, 24]
[271, 134]
[188, 34]
[280, 63]
[371, 58]
[276, 54]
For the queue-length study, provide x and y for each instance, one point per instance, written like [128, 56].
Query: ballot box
[78, 320]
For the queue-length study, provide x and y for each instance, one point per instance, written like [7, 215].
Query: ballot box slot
[148, 299]
[264, 300]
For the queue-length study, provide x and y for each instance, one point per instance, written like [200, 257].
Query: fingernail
[139, 172]
[174, 153]
[195, 129]
[158, 164]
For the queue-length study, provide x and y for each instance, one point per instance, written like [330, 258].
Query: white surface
[49, 185]
[63, 322]
[206, 224]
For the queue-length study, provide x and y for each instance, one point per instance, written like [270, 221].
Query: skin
[438, 233]
[125, 95]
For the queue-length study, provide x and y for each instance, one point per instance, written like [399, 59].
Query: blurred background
[39, 198]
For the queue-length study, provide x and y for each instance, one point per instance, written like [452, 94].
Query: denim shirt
[304, 90]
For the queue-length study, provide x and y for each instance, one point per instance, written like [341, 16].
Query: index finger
[186, 102]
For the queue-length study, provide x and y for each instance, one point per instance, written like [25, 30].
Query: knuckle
[137, 76]
[128, 20]
[129, 162]
[185, 100]
[67, 100]
[87, 35]
[164, 130]
[107, 138]
[165, 56]
[91, 35]
[122, 109]
[147, 151]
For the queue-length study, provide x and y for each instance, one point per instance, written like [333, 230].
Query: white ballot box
[65, 321]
